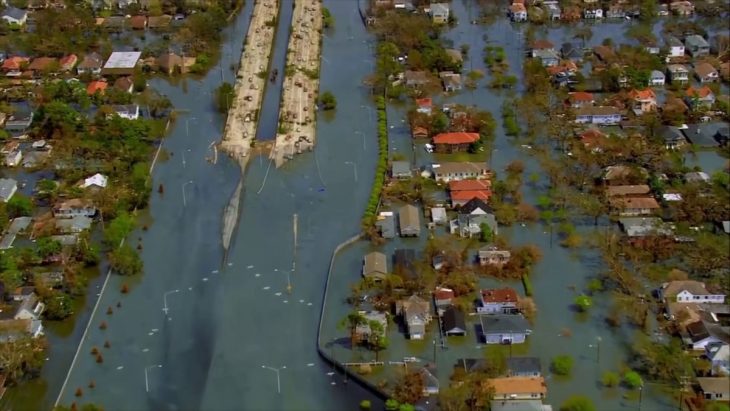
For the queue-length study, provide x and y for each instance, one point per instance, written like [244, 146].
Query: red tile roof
[580, 96]
[499, 295]
[456, 138]
[592, 137]
[542, 45]
[443, 294]
[469, 185]
[645, 94]
[95, 86]
[466, 195]
[41, 63]
[424, 102]
[701, 92]
[517, 7]
[68, 62]
[14, 63]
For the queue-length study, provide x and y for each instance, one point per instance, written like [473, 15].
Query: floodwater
[556, 280]
[226, 322]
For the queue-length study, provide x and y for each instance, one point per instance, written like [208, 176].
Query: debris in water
[286, 301]
[266, 288]
[321, 190]
[258, 274]
[278, 294]
[301, 301]
[121, 367]
[250, 267]
[311, 364]
[309, 303]
[205, 278]
[230, 264]
[145, 349]
[214, 272]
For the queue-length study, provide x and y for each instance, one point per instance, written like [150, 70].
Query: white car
[428, 148]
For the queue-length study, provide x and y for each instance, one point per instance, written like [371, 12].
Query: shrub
[578, 403]
[583, 302]
[562, 365]
[610, 379]
[527, 285]
[633, 380]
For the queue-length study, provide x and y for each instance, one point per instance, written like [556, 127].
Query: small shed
[409, 221]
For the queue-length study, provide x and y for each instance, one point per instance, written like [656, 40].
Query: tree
[328, 21]
[118, 229]
[562, 365]
[125, 261]
[22, 356]
[377, 341]
[578, 403]
[610, 379]
[19, 205]
[224, 95]
[391, 404]
[409, 388]
[58, 305]
[352, 321]
[633, 380]
[365, 405]
[583, 302]
[328, 101]
[47, 246]
[485, 235]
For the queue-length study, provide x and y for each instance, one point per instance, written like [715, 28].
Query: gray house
[410, 222]
[548, 57]
[18, 122]
[8, 187]
[452, 322]
[74, 224]
[505, 329]
[696, 46]
[524, 367]
[375, 266]
[416, 314]
[440, 12]
[401, 170]
[386, 224]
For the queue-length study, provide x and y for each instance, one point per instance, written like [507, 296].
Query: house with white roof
[96, 181]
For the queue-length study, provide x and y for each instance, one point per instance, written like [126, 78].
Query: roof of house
[624, 203]
[516, 365]
[398, 168]
[6, 186]
[67, 62]
[74, 203]
[645, 94]
[138, 22]
[420, 77]
[517, 8]
[124, 83]
[492, 251]
[453, 319]
[77, 223]
[656, 74]
[469, 185]
[518, 405]
[414, 305]
[673, 42]
[443, 293]
[97, 179]
[499, 295]
[424, 102]
[408, 216]
[169, 61]
[41, 63]
[460, 167]
[440, 8]
[405, 259]
[598, 111]
[122, 59]
[374, 263]
[580, 96]
[643, 226]
[517, 385]
[159, 21]
[706, 134]
[468, 195]
[455, 55]
[546, 54]
[670, 134]
[95, 86]
[627, 190]
[673, 288]
[592, 136]
[542, 44]
[704, 69]
[714, 384]
[474, 204]
[91, 61]
[701, 92]
[696, 40]
[604, 53]
[677, 68]
[15, 13]
[570, 50]
[14, 63]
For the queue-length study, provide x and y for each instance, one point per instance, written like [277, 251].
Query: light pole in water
[164, 299]
[185, 202]
[278, 380]
[146, 378]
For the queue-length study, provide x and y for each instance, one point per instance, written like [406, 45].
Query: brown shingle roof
[673, 288]
[627, 190]
[499, 295]
[517, 385]
[635, 202]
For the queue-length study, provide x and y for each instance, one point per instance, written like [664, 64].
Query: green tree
[562, 365]
[610, 379]
[328, 21]
[578, 403]
[224, 95]
[583, 302]
[633, 380]
[365, 405]
[486, 235]
[22, 356]
[19, 205]
[377, 341]
[391, 404]
[118, 229]
[47, 246]
[125, 261]
[328, 101]
[58, 305]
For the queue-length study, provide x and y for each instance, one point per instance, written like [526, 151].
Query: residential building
[593, 12]
[138, 22]
[524, 367]
[13, 15]
[541, 45]
[682, 8]
[401, 170]
[593, 139]
[696, 46]
[634, 206]
[170, 63]
[572, 52]
[548, 58]
[405, 263]
[492, 256]
[8, 187]
[430, 382]
[375, 266]
[715, 388]
[452, 142]
[19, 122]
[497, 301]
[675, 47]
[409, 221]
[95, 86]
[30, 308]
[700, 98]
[363, 330]
[600, 115]
[121, 63]
[419, 132]
[553, 11]
[449, 171]
[719, 356]
[453, 322]
[67, 62]
[689, 291]
[463, 191]
[697, 177]
[415, 78]
[710, 134]
[125, 84]
[416, 314]
[424, 105]
[517, 12]
[519, 405]
[438, 215]
[442, 297]
[455, 55]
[705, 73]
[386, 224]
[73, 225]
[505, 328]
[615, 11]
[40, 65]
[159, 22]
[440, 12]
[128, 111]
[74, 207]
[672, 136]
[604, 53]
[451, 81]
[642, 101]
[633, 190]
[678, 74]
[579, 99]
[641, 227]
[13, 158]
[657, 78]
[91, 64]
[470, 225]
[517, 388]
[475, 206]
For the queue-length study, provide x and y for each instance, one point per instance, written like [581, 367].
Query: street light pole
[164, 299]
[278, 380]
[185, 202]
[363, 138]
[187, 123]
[641, 391]
[354, 168]
[146, 378]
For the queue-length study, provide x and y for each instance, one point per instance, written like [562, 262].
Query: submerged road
[232, 337]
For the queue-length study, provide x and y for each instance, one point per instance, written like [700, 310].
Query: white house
[30, 308]
[8, 187]
[676, 47]
[689, 291]
[130, 112]
[13, 158]
[497, 301]
[719, 355]
[95, 181]
[657, 78]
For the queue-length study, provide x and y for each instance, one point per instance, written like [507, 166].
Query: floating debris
[258, 274]
[249, 267]
[277, 294]
[266, 288]
[214, 272]
[205, 278]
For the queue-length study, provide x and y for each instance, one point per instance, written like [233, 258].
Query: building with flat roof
[121, 63]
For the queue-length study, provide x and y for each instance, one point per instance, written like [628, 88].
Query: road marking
[330, 373]
[301, 301]
[309, 303]
[154, 330]
[286, 301]
[333, 383]
[230, 264]
[150, 333]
